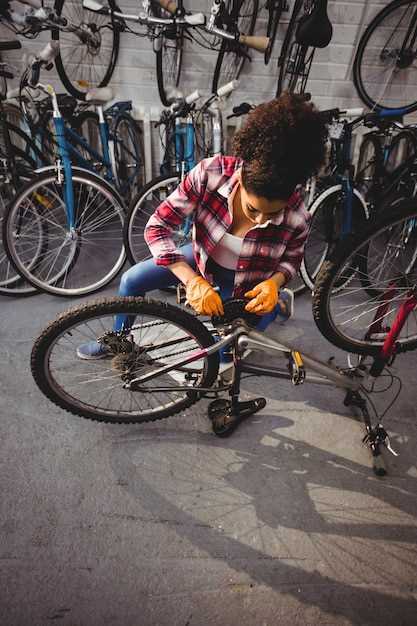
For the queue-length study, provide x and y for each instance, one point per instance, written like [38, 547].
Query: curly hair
[282, 144]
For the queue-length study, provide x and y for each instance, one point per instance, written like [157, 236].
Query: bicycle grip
[356, 112]
[192, 97]
[256, 43]
[92, 5]
[224, 90]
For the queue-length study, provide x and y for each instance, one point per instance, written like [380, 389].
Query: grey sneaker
[287, 297]
[92, 351]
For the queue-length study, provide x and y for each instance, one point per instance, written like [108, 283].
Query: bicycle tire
[274, 16]
[403, 146]
[232, 56]
[46, 353]
[11, 283]
[287, 44]
[370, 92]
[129, 156]
[330, 310]
[168, 56]
[324, 234]
[370, 155]
[88, 53]
[86, 124]
[143, 206]
[99, 220]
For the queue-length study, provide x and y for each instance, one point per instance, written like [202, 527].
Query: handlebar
[42, 60]
[224, 90]
[187, 19]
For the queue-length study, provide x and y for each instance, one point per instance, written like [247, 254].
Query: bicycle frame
[243, 337]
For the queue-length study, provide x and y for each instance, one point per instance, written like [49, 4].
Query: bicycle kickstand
[375, 437]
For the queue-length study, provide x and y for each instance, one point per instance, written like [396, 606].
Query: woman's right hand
[202, 297]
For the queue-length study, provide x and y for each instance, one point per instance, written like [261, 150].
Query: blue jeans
[147, 276]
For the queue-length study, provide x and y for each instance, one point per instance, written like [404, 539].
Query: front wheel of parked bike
[275, 10]
[168, 47]
[88, 50]
[144, 205]
[357, 317]
[73, 261]
[289, 56]
[241, 14]
[129, 157]
[326, 230]
[157, 335]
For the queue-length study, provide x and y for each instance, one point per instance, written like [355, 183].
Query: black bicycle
[309, 28]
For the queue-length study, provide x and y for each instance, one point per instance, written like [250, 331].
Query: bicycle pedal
[296, 367]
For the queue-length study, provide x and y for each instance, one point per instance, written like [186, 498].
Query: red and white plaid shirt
[275, 246]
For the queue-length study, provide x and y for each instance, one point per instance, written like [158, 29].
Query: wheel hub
[91, 37]
[405, 59]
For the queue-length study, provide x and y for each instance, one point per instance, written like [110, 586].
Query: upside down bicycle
[164, 359]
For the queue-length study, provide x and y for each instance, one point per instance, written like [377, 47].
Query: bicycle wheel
[129, 156]
[326, 230]
[275, 9]
[384, 71]
[11, 283]
[403, 147]
[370, 155]
[385, 255]
[241, 14]
[168, 52]
[290, 54]
[160, 334]
[88, 55]
[86, 124]
[141, 210]
[76, 261]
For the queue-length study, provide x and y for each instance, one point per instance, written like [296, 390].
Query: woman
[250, 224]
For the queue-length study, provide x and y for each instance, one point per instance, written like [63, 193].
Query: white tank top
[227, 252]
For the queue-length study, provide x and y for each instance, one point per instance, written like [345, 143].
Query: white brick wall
[329, 83]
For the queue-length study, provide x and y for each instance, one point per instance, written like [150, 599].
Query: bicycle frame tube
[184, 146]
[80, 141]
[66, 161]
[328, 375]
[185, 156]
[409, 304]
[104, 138]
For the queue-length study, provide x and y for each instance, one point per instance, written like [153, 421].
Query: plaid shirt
[275, 246]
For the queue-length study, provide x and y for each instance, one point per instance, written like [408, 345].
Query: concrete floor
[167, 525]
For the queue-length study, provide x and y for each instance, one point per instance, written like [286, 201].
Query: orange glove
[264, 297]
[202, 297]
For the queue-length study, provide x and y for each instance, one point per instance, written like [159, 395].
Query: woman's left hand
[264, 297]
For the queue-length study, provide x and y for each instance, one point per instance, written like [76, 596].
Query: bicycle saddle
[315, 29]
[234, 308]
